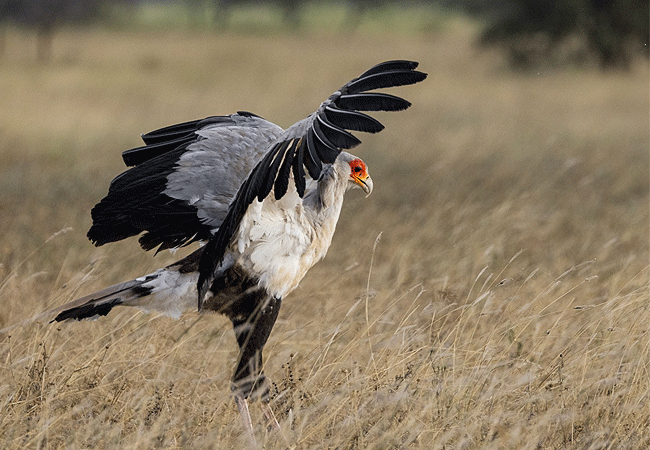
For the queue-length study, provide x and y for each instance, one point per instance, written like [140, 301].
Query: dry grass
[506, 306]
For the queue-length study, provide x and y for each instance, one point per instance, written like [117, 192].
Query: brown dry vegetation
[505, 306]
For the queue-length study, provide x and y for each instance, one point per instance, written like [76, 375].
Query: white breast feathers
[280, 240]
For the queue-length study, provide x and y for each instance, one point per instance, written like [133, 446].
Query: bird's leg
[244, 412]
[253, 322]
[252, 333]
[242, 406]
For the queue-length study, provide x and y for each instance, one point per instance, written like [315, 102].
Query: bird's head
[359, 176]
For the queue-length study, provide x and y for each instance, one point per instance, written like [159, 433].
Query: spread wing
[316, 140]
[183, 180]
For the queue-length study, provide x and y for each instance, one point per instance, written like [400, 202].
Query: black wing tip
[419, 76]
[393, 64]
[402, 73]
[387, 74]
[404, 106]
[398, 64]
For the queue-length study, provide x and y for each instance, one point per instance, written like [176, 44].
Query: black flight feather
[137, 156]
[327, 152]
[375, 101]
[136, 203]
[272, 171]
[87, 311]
[298, 167]
[390, 65]
[282, 181]
[311, 160]
[171, 137]
[337, 136]
[171, 132]
[385, 80]
[352, 120]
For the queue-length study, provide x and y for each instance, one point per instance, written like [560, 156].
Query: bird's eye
[357, 169]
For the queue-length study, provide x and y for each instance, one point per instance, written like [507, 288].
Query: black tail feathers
[100, 303]
[87, 310]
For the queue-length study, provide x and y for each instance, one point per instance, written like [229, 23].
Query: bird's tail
[168, 291]
[98, 303]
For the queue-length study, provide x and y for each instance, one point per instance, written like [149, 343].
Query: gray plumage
[209, 174]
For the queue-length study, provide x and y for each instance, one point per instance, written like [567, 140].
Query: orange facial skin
[359, 175]
[358, 169]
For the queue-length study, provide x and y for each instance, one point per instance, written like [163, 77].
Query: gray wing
[310, 143]
[182, 182]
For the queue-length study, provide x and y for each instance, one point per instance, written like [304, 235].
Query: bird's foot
[255, 389]
[244, 412]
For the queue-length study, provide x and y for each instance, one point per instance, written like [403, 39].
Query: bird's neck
[329, 192]
[324, 206]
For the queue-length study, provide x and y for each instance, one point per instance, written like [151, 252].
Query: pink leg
[245, 414]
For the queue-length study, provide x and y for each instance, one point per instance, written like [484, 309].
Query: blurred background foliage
[531, 34]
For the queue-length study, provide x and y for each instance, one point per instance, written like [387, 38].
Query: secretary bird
[264, 202]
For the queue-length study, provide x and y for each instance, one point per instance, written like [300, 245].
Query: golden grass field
[492, 292]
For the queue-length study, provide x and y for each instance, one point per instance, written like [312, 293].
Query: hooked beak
[365, 184]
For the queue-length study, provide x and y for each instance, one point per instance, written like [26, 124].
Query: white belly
[279, 241]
